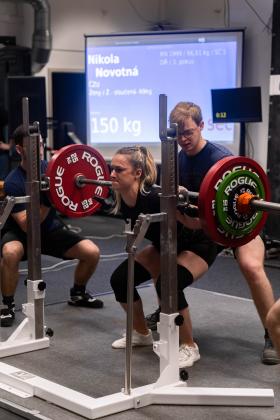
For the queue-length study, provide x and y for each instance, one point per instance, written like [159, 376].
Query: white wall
[11, 19]
[71, 19]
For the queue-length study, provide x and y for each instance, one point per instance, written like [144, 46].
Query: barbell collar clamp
[246, 203]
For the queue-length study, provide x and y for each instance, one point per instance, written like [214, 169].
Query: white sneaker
[137, 340]
[188, 355]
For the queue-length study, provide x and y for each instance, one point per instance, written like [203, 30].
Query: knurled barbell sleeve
[265, 205]
[81, 180]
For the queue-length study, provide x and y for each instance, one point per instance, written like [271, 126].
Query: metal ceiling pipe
[42, 38]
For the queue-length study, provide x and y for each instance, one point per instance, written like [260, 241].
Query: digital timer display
[221, 115]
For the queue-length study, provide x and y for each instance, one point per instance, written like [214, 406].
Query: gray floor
[80, 357]
[226, 328]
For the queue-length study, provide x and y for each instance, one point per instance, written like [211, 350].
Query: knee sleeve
[119, 280]
[184, 279]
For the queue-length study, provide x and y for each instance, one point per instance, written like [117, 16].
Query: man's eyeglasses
[117, 169]
[186, 133]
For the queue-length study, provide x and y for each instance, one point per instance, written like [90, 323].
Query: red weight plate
[65, 165]
[207, 196]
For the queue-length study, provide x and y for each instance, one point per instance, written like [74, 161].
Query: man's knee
[91, 255]
[253, 271]
[250, 256]
[251, 264]
[12, 253]
[91, 248]
[85, 251]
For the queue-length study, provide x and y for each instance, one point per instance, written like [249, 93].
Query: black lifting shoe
[84, 299]
[269, 355]
[7, 317]
[153, 319]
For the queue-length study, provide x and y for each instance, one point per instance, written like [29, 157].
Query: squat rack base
[22, 340]
[92, 408]
[167, 390]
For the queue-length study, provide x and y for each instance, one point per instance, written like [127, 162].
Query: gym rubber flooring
[226, 328]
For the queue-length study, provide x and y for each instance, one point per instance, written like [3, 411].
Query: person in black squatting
[133, 174]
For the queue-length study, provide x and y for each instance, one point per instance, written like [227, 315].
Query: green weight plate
[241, 224]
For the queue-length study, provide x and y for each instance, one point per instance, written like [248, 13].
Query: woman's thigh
[149, 257]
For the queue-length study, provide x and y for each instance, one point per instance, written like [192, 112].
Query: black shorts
[199, 243]
[55, 243]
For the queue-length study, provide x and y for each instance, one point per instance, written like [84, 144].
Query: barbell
[233, 199]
